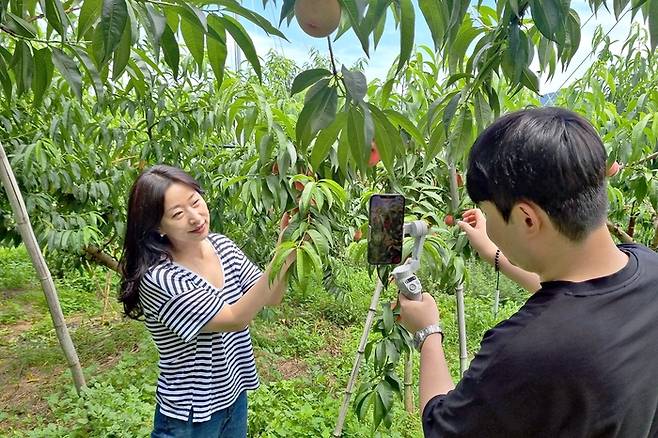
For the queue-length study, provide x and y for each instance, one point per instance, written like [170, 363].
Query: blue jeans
[229, 422]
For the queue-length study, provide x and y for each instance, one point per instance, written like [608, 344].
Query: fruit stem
[331, 56]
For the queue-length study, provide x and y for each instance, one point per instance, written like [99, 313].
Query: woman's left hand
[283, 224]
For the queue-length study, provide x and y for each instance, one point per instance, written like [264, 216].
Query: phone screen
[386, 229]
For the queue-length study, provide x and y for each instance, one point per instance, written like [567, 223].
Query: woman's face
[186, 217]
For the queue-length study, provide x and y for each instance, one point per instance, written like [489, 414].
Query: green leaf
[56, 16]
[122, 53]
[287, 11]
[549, 17]
[158, 23]
[379, 411]
[450, 110]
[23, 66]
[530, 80]
[69, 70]
[387, 317]
[281, 254]
[89, 13]
[483, 114]
[379, 30]
[461, 137]
[307, 78]
[406, 124]
[435, 17]
[194, 38]
[355, 84]
[313, 256]
[359, 147]
[326, 138]
[618, 7]
[637, 136]
[352, 10]
[302, 267]
[170, 49]
[114, 17]
[258, 20]
[407, 29]
[386, 92]
[20, 26]
[6, 81]
[92, 71]
[241, 37]
[461, 45]
[653, 23]
[320, 241]
[307, 194]
[318, 113]
[217, 50]
[387, 137]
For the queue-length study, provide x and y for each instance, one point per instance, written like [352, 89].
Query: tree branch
[619, 233]
[104, 259]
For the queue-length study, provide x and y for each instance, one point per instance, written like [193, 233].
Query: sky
[347, 48]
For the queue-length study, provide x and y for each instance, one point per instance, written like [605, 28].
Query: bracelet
[496, 260]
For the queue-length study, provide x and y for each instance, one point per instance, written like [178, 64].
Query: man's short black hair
[550, 156]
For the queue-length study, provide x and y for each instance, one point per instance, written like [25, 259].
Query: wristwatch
[423, 333]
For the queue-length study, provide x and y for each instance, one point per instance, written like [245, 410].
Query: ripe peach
[374, 155]
[449, 220]
[613, 170]
[318, 18]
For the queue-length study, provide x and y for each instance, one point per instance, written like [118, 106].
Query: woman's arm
[237, 316]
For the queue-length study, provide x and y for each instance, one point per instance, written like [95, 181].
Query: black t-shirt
[577, 360]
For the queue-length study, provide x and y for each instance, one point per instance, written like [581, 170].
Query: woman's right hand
[474, 224]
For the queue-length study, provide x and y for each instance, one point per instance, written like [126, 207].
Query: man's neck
[596, 256]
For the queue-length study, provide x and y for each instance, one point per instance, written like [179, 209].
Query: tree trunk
[459, 290]
[27, 234]
[408, 384]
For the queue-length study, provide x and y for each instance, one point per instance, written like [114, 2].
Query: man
[580, 358]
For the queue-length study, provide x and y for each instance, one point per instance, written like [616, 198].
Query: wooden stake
[30, 241]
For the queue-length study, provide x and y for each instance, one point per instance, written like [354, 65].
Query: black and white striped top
[201, 372]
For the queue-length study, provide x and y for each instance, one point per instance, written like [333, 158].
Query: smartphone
[386, 218]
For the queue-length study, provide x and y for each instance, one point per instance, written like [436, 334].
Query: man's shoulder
[641, 251]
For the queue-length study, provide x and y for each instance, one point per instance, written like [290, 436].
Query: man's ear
[529, 217]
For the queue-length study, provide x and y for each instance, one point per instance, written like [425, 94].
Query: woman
[198, 293]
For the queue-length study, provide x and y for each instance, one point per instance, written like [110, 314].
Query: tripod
[410, 286]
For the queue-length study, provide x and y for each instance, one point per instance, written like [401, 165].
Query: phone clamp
[404, 274]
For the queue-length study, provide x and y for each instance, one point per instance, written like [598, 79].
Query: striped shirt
[199, 372]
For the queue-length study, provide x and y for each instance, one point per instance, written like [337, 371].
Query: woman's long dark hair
[143, 247]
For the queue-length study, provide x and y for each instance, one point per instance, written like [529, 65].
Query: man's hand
[415, 315]
[475, 227]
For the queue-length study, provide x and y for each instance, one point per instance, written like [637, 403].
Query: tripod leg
[338, 431]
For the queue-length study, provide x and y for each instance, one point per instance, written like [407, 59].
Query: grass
[304, 351]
